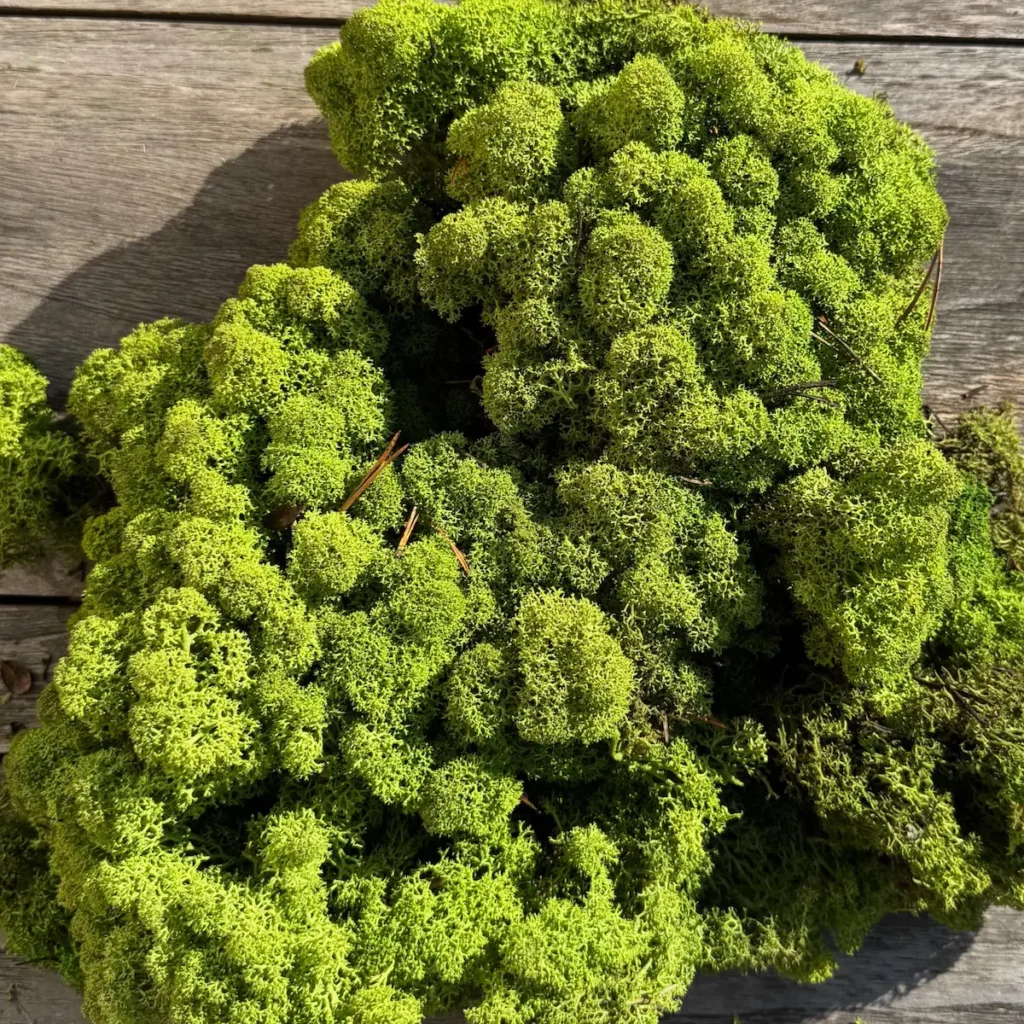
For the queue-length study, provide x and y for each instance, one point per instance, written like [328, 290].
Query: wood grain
[990, 19]
[146, 165]
[56, 576]
[34, 636]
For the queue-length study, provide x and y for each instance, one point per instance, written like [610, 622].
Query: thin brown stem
[920, 291]
[463, 561]
[385, 460]
[846, 348]
[410, 525]
[936, 289]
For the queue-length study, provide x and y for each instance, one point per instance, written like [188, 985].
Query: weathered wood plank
[56, 576]
[910, 970]
[991, 19]
[147, 165]
[30, 994]
[144, 167]
[33, 635]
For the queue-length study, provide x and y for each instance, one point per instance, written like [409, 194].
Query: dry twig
[936, 290]
[410, 525]
[463, 561]
[383, 462]
[823, 323]
[920, 291]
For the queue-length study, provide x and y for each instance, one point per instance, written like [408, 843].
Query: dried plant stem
[463, 561]
[920, 291]
[845, 347]
[410, 525]
[383, 462]
[936, 289]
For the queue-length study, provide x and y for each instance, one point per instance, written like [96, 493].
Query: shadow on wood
[901, 954]
[246, 212]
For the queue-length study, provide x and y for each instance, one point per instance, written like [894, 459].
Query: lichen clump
[40, 466]
[672, 643]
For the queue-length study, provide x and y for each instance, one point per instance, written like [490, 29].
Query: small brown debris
[920, 291]
[460, 168]
[694, 481]
[16, 677]
[283, 516]
[711, 720]
[936, 290]
[524, 799]
[463, 561]
[973, 393]
[385, 460]
[860, 68]
[664, 728]
[410, 525]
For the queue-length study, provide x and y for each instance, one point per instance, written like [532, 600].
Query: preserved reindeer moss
[673, 642]
[43, 478]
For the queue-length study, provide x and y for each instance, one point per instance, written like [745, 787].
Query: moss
[671, 643]
[43, 476]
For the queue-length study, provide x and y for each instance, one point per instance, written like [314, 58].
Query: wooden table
[151, 150]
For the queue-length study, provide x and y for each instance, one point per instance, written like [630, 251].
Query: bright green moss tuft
[575, 681]
[41, 469]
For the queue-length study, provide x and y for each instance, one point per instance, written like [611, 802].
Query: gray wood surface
[143, 167]
[56, 577]
[33, 635]
[145, 163]
[989, 19]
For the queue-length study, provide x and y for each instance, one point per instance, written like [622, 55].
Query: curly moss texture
[38, 465]
[672, 644]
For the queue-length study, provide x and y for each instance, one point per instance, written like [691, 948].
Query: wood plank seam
[306, 21]
[174, 17]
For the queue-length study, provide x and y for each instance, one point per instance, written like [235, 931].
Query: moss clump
[43, 480]
[672, 643]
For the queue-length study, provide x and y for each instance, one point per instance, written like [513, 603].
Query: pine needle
[711, 720]
[845, 347]
[463, 561]
[936, 289]
[383, 462]
[920, 291]
[410, 525]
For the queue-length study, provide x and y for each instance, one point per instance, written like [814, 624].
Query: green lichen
[673, 642]
[43, 481]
